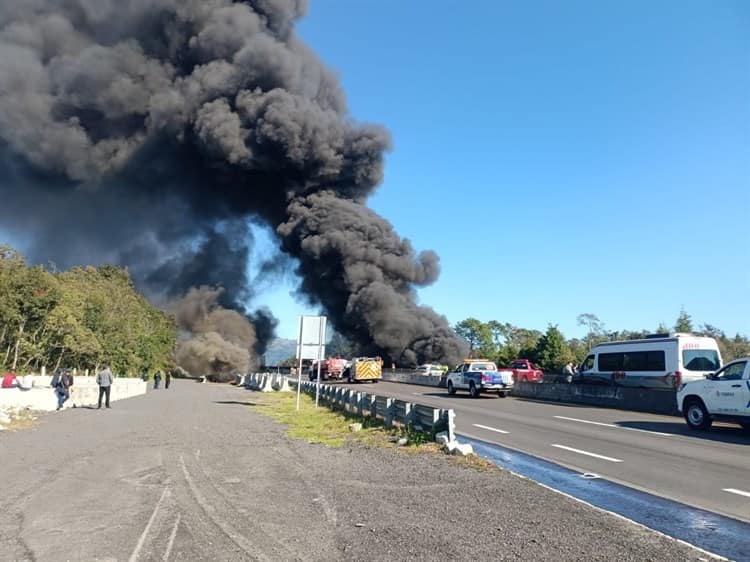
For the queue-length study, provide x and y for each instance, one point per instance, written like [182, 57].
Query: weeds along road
[657, 454]
[194, 473]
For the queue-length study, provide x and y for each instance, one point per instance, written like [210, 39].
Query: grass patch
[318, 425]
[331, 427]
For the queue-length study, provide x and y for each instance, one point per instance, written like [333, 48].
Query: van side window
[637, 361]
[611, 361]
[656, 361]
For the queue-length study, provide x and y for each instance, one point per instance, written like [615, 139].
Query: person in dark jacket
[157, 379]
[104, 379]
[62, 387]
[167, 379]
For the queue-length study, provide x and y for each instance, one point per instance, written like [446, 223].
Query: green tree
[684, 323]
[594, 327]
[552, 350]
[478, 334]
[79, 318]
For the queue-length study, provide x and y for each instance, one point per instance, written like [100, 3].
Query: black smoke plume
[213, 340]
[148, 133]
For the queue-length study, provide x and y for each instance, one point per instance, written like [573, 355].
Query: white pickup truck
[477, 376]
[723, 395]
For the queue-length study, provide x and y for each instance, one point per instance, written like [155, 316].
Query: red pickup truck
[525, 371]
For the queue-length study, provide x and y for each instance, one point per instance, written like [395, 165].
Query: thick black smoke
[213, 340]
[149, 133]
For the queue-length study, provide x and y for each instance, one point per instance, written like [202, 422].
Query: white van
[659, 361]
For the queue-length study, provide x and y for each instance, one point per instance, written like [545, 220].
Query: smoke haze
[148, 133]
[213, 340]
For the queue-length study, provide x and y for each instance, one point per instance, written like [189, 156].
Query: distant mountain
[278, 350]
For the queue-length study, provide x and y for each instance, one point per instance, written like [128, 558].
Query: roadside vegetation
[331, 428]
[82, 318]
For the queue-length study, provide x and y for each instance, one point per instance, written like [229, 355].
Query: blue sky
[560, 157]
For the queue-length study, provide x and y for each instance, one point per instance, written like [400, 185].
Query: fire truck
[364, 369]
[331, 368]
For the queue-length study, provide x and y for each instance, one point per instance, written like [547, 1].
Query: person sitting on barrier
[10, 380]
[62, 387]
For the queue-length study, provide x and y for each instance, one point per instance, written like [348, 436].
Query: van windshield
[700, 360]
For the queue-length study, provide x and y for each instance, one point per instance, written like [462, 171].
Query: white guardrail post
[389, 412]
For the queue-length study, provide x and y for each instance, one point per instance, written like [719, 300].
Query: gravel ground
[193, 473]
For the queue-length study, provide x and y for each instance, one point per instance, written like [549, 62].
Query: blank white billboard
[312, 337]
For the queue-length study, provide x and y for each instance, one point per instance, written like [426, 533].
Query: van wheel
[473, 390]
[696, 415]
[451, 388]
[502, 394]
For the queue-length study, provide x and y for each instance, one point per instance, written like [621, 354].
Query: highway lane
[653, 453]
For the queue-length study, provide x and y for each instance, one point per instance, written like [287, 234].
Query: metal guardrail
[392, 411]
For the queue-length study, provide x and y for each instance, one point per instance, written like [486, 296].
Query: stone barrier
[38, 395]
[621, 397]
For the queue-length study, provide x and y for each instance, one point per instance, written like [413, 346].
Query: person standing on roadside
[568, 372]
[62, 387]
[157, 379]
[104, 379]
[167, 379]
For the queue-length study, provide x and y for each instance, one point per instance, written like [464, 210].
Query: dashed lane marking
[588, 454]
[490, 428]
[736, 491]
[615, 426]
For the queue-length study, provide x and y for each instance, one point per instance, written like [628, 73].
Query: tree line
[503, 342]
[82, 318]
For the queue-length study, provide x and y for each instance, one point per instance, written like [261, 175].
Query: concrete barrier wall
[621, 397]
[41, 396]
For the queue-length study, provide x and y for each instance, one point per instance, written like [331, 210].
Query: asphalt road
[194, 473]
[657, 454]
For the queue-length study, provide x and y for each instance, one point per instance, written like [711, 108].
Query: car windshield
[483, 367]
[701, 360]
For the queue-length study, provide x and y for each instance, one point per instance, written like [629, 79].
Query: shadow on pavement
[719, 432]
[235, 402]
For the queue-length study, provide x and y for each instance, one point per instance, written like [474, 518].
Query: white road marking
[615, 426]
[736, 491]
[490, 428]
[610, 459]
[144, 534]
[171, 539]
